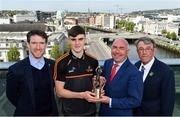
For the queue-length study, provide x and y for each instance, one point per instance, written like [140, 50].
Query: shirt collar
[76, 58]
[37, 63]
[120, 64]
[148, 65]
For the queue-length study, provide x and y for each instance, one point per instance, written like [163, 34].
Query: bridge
[163, 42]
[97, 47]
[100, 29]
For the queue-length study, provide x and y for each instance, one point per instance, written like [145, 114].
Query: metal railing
[7, 109]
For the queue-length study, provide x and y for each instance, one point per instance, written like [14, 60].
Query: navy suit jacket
[20, 90]
[159, 91]
[125, 89]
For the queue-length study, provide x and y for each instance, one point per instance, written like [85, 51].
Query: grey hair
[145, 40]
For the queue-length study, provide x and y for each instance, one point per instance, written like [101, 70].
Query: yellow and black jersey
[77, 74]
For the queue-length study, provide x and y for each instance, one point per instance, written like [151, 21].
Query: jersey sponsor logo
[89, 69]
[72, 70]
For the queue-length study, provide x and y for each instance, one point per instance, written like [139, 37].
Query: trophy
[97, 84]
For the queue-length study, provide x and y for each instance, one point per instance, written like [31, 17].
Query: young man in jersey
[73, 74]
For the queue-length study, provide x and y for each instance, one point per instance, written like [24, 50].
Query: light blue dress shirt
[37, 63]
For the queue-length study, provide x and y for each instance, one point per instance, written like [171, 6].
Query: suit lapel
[152, 70]
[121, 70]
[109, 68]
[138, 64]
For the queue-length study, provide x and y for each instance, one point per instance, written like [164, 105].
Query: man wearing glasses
[73, 73]
[159, 82]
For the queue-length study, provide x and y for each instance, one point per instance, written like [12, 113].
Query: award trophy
[97, 84]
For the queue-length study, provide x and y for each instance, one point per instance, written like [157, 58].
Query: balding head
[119, 50]
[121, 41]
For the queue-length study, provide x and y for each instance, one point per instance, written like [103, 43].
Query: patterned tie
[142, 70]
[113, 72]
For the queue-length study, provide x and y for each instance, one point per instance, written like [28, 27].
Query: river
[161, 53]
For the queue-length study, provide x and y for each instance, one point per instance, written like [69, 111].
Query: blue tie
[142, 70]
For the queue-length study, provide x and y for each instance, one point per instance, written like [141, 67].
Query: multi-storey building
[154, 27]
[108, 21]
[92, 20]
[98, 20]
[5, 20]
[70, 22]
[157, 24]
[173, 27]
[18, 39]
[26, 17]
[6, 44]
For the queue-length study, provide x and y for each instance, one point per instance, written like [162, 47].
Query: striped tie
[142, 70]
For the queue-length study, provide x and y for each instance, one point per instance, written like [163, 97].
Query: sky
[115, 6]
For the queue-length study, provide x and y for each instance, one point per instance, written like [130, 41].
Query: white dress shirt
[147, 68]
[118, 67]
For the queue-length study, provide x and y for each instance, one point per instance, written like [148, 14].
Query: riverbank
[167, 46]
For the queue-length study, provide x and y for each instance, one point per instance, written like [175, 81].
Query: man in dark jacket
[159, 82]
[30, 84]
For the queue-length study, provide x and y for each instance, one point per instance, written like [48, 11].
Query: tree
[130, 26]
[163, 32]
[55, 52]
[173, 36]
[123, 24]
[168, 35]
[13, 54]
[67, 48]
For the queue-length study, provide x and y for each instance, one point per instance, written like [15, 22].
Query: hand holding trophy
[98, 83]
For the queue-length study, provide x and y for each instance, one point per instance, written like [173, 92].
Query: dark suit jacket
[125, 89]
[159, 91]
[20, 90]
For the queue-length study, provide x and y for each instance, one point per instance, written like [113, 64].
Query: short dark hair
[36, 32]
[76, 30]
[145, 40]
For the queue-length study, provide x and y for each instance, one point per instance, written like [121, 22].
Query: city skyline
[112, 6]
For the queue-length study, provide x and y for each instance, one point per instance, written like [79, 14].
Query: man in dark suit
[159, 82]
[30, 84]
[124, 85]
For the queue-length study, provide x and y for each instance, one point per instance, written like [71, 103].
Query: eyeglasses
[145, 49]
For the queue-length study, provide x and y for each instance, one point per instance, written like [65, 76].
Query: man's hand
[102, 82]
[89, 96]
[104, 99]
